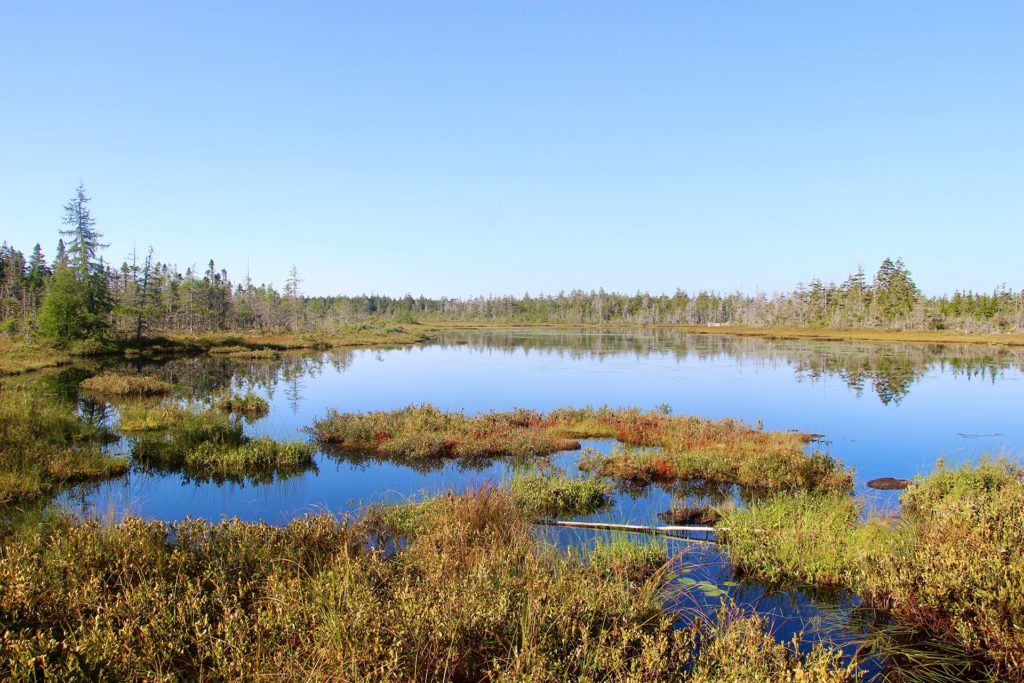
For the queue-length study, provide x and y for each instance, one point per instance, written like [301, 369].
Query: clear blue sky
[483, 147]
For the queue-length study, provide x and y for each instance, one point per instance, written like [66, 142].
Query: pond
[888, 410]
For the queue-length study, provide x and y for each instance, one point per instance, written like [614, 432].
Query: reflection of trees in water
[199, 376]
[293, 392]
[253, 476]
[95, 413]
[890, 369]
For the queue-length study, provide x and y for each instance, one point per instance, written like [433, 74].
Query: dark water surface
[888, 410]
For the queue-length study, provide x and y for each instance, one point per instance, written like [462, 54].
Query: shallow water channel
[888, 410]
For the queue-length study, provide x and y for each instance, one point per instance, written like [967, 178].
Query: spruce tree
[77, 303]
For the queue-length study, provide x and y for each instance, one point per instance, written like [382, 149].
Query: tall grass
[249, 459]
[45, 445]
[251, 405]
[804, 538]
[470, 596]
[208, 443]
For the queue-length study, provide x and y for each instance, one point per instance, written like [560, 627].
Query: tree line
[78, 295]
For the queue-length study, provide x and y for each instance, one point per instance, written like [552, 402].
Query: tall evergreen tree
[84, 240]
[78, 302]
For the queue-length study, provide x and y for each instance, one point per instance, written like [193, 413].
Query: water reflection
[889, 369]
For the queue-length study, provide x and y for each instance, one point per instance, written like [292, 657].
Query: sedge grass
[556, 495]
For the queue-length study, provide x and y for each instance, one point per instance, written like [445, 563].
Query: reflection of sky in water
[940, 409]
[886, 410]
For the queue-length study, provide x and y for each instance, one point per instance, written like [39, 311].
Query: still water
[884, 409]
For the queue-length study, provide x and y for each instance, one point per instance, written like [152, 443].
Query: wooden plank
[634, 528]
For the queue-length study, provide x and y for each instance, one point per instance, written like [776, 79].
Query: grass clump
[208, 443]
[418, 432]
[250, 405]
[804, 538]
[122, 385]
[470, 596]
[228, 349]
[259, 455]
[741, 650]
[764, 469]
[691, 515]
[245, 352]
[618, 555]
[45, 445]
[165, 435]
[137, 417]
[556, 495]
[662, 448]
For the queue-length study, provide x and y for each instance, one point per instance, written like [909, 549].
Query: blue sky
[475, 148]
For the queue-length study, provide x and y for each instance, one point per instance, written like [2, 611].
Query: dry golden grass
[122, 385]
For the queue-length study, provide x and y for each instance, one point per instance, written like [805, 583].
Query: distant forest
[76, 294]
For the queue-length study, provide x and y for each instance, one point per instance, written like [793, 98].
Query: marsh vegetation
[784, 505]
[45, 446]
[659, 447]
[950, 565]
[471, 595]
